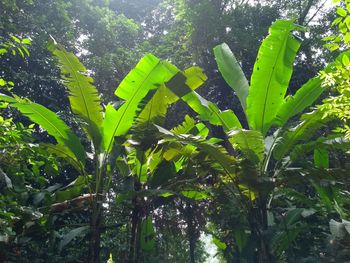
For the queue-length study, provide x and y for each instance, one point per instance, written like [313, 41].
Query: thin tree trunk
[191, 233]
[96, 219]
[136, 216]
[305, 11]
[265, 255]
[95, 228]
[134, 240]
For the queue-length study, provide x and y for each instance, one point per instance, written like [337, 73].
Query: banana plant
[158, 175]
[268, 146]
[101, 124]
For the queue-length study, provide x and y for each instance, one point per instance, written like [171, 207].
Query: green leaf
[147, 235]
[149, 74]
[20, 52]
[250, 143]
[304, 97]
[2, 82]
[49, 121]
[25, 50]
[271, 75]
[332, 142]
[6, 98]
[67, 238]
[3, 51]
[232, 72]
[345, 60]
[185, 127]
[157, 107]
[189, 126]
[16, 39]
[83, 96]
[311, 122]
[140, 166]
[65, 153]
[321, 158]
[346, 40]
[194, 195]
[26, 41]
[219, 244]
[164, 172]
[207, 110]
[215, 152]
[347, 20]
[72, 190]
[283, 238]
[110, 260]
[341, 12]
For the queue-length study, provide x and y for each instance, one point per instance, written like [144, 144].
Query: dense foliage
[254, 164]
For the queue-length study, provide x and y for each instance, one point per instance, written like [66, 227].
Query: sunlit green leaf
[271, 75]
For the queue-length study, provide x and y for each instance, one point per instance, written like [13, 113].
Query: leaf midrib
[79, 86]
[270, 79]
[129, 102]
[50, 123]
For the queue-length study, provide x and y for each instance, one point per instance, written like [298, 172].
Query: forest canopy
[184, 131]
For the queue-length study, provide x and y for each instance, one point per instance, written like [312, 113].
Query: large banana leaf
[185, 127]
[250, 143]
[311, 122]
[305, 96]
[157, 107]
[232, 72]
[65, 153]
[271, 75]
[188, 126]
[215, 152]
[331, 142]
[206, 110]
[50, 122]
[84, 98]
[149, 74]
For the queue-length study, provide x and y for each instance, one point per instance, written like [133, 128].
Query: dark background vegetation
[109, 37]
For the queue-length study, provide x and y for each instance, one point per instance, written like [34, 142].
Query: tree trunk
[134, 240]
[134, 249]
[95, 228]
[191, 233]
[265, 255]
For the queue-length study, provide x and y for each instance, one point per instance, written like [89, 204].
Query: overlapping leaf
[157, 107]
[149, 74]
[332, 142]
[206, 110]
[63, 152]
[311, 122]
[250, 143]
[216, 153]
